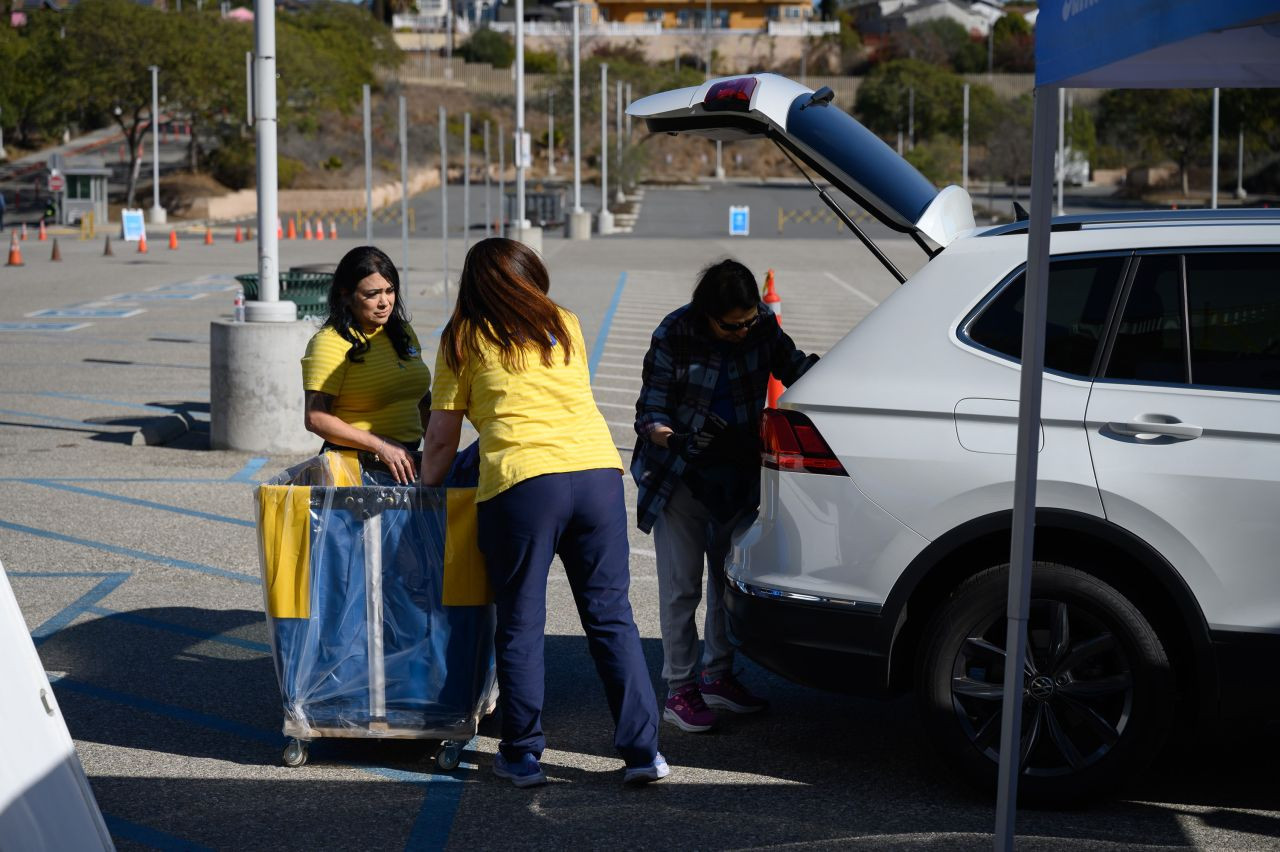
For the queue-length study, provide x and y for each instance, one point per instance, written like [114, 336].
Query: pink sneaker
[727, 693]
[688, 712]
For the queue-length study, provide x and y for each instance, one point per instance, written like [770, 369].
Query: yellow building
[688, 14]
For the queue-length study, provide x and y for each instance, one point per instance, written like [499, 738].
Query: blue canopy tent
[1094, 44]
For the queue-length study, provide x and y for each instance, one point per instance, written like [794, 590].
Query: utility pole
[1062, 147]
[911, 119]
[502, 182]
[1240, 193]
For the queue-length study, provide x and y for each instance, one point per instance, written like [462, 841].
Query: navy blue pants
[580, 516]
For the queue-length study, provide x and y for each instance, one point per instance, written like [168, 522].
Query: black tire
[1099, 697]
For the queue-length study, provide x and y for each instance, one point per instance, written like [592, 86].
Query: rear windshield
[856, 156]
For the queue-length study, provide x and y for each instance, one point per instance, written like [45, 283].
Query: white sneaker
[655, 771]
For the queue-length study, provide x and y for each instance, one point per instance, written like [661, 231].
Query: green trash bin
[308, 289]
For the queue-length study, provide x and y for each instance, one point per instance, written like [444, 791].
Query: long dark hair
[723, 287]
[355, 266]
[502, 298]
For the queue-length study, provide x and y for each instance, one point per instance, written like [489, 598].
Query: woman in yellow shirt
[367, 387]
[514, 363]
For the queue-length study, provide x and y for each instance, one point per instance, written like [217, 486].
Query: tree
[110, 45]
[943, 42]
[207, 82]
[486, 45]
[1014, 44]
[1159, 123]
[884, 98]
[1008, 135]
[32, 56]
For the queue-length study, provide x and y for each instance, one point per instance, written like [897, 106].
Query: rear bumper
[826, 646]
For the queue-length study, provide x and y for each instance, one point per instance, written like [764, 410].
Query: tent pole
[1024, 492]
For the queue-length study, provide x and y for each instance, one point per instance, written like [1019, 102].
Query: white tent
[1092, 44]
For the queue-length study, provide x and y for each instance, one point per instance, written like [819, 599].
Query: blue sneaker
[525, 772]
[655, 771]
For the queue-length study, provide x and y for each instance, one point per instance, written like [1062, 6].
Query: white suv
[877, 562]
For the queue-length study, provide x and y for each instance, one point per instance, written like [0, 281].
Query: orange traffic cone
[56, 255]
[306, 229]
[774, 301]
[106, 248]
[239, 235]
[208, 235]
[319, 230]
[333, 229]
[24, 232]
[293, 230]
[142, 244]
[15, 251]
[279, 230]
[44, 235]
[248, 234]
[173, 239]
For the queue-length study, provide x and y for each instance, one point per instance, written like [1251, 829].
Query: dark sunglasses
[737, 326]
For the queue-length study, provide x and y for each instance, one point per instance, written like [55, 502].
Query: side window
[1080, 296]
[1150, 340]
[1233, 303]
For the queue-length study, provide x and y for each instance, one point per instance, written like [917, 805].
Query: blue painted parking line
[603, 335]
[140, 555]
[181, 714]
[124, 830]
[434, 823]
[181, 629]
[43, 326]
[220, 480]
[144, 504]
[107, 583]
[250, 469]
[100, 401]
[157, 296]
[88, 313]
[49, 418]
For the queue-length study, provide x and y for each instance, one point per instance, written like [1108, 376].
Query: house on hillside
[754, 15]
[877, 19]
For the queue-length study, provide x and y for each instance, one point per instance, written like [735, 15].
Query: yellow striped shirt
[380, 394]
[536, 421]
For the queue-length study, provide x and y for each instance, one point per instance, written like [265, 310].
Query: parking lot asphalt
[137, 572]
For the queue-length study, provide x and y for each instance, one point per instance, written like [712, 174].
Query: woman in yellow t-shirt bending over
[367, 387]
[514, 363]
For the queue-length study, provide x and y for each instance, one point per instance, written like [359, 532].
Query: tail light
[730, 95]
[790, 441]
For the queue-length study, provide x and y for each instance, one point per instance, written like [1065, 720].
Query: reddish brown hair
[502, 299]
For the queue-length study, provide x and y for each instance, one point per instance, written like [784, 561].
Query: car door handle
[1156, 424]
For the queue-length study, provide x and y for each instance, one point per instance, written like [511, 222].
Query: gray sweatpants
[685, 538]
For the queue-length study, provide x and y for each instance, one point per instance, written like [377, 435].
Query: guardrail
[565, 28]
[803, 28]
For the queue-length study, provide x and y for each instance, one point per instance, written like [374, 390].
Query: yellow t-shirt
[532, 422]
[380, 393]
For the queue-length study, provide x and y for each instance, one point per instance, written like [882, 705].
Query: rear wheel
[1098, 696]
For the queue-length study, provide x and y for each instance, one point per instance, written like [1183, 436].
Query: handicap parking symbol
[739, 221]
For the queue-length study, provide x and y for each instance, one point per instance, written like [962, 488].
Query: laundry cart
[379, 610]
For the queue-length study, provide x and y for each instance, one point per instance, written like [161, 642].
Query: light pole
[606, 218]
[158, 216]
[404, 194]
[265, 125]
[368, 167]
[488, 190]
[1062, 145]
[579, 219]
[1240, 193]
[964, 153]
[551, 132]
[522, 224]
[706, 37]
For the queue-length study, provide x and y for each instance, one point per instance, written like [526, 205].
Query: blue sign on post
[739, 221]
[132, 226]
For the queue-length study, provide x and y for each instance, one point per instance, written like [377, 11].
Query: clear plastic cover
[354, 580]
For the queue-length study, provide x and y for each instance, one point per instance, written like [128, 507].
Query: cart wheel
[449, 755]
[295, 754]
